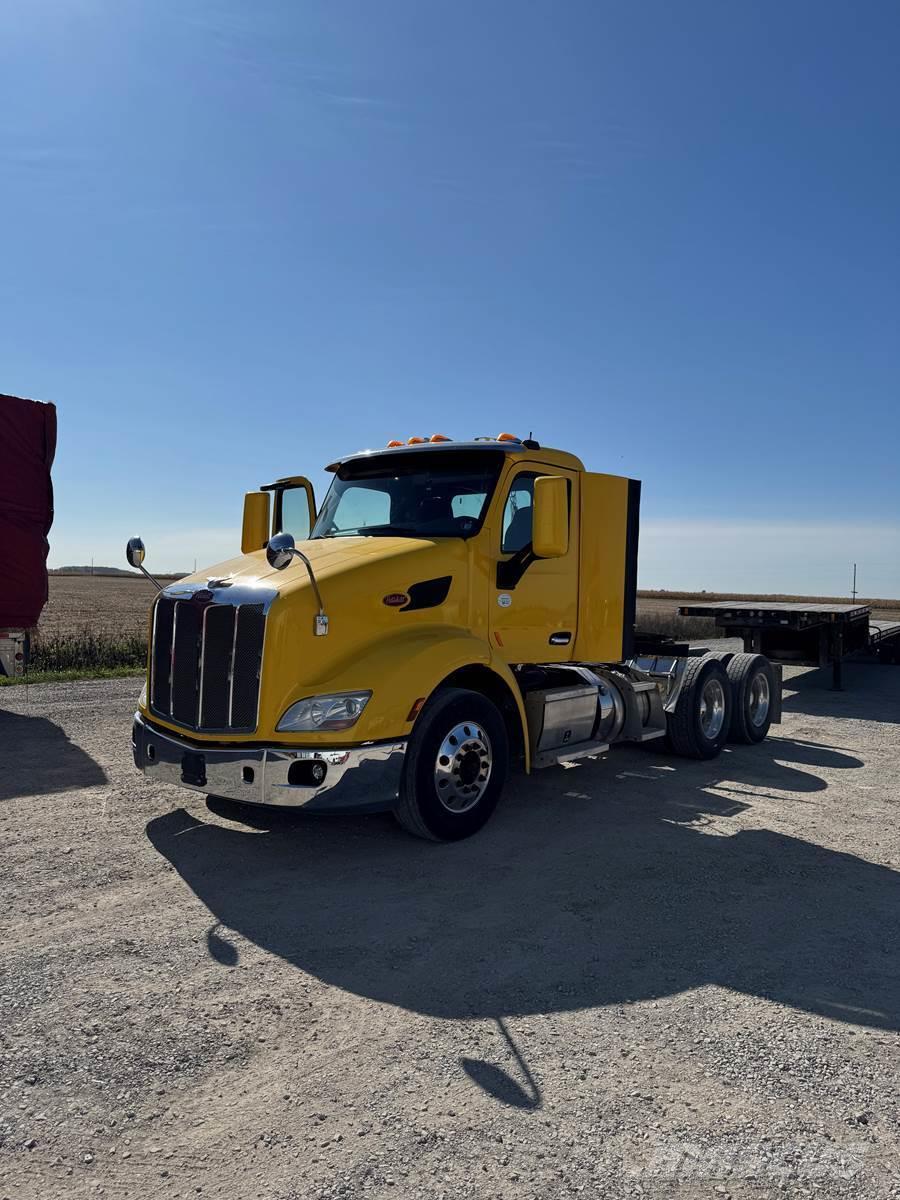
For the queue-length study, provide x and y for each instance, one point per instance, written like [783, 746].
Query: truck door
[535, 601]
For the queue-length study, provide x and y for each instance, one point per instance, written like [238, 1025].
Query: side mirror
[280, 551]
[255, 529]
[550, 519]
[135, 553]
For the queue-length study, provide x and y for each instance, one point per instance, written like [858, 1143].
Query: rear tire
[456, 765]
[698, 728]
[753, 690]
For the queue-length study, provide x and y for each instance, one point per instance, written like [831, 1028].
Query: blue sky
[241, 239]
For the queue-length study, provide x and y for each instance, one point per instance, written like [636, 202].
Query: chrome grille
[206, 657]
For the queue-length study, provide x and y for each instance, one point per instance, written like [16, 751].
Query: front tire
[456, 765]
[698, 728]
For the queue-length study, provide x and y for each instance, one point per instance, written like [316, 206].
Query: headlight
[337, 711]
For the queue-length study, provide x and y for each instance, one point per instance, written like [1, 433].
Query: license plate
[193, 769]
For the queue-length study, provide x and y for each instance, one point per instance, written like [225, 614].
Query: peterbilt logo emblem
[395, 599]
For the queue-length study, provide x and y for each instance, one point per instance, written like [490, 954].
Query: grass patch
[71, 674]
[82, 655]
[87, 651]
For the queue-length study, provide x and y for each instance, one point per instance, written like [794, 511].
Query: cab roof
[530, 451]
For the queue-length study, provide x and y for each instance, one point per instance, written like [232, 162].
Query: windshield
[416, 495]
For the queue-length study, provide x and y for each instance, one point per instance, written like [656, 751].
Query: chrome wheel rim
[712, 708]
[462, 768]
[759, 699]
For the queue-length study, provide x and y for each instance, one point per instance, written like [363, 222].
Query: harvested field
[110, 605]
[655, 605]
[118, 606]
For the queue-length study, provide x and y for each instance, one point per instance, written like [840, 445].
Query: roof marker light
[415, 441]
[393, 443]
[507, 437]
[440, 437]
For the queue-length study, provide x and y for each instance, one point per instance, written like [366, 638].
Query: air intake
[206, 658]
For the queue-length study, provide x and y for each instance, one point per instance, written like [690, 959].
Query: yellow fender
[401, 669]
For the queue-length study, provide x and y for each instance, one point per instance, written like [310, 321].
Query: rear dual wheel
[752, 697]
[698, 728]
[722, 702]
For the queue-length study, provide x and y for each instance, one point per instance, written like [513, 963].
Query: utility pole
[854, 583]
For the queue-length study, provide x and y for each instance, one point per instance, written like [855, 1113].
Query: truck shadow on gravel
[871, 693]
[607, 883]
[37, 758]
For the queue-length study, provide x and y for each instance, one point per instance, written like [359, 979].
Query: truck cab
[451, 609]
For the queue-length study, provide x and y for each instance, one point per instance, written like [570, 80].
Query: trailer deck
[803, 634]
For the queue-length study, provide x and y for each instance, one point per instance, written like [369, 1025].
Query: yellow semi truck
[451, 611]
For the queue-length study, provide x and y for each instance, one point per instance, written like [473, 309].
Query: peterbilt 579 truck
[452, 610]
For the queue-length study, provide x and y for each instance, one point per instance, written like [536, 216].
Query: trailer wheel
[698, 728]
[456, 765]
[752, 688]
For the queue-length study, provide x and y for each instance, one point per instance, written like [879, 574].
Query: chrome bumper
[359, 779]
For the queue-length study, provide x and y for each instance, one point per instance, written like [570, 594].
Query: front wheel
[456, 765]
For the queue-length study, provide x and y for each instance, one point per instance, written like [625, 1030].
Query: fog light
[151, 751]
[307, 772]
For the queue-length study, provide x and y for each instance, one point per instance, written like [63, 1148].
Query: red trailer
[27, 446]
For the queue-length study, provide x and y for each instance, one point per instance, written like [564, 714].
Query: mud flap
[778, 672]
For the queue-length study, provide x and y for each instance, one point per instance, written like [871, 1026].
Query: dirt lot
[645, 977]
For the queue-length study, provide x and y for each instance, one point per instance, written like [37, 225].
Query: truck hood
[331, 557]
[374, 589]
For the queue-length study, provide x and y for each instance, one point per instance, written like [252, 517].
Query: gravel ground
[645, 977]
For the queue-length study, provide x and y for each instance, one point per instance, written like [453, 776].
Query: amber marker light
[507, 437]
[440, 437]
[393, 443]
[415, 441]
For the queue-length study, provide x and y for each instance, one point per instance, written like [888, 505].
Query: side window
[295, 513]
[517, 514]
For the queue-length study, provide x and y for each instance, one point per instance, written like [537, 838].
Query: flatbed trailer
[803, 634]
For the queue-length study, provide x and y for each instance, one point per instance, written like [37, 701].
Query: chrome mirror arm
[279, 552]
[312, 579]
[146, 573]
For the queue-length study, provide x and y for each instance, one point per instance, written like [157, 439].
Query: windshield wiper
[372, 531]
